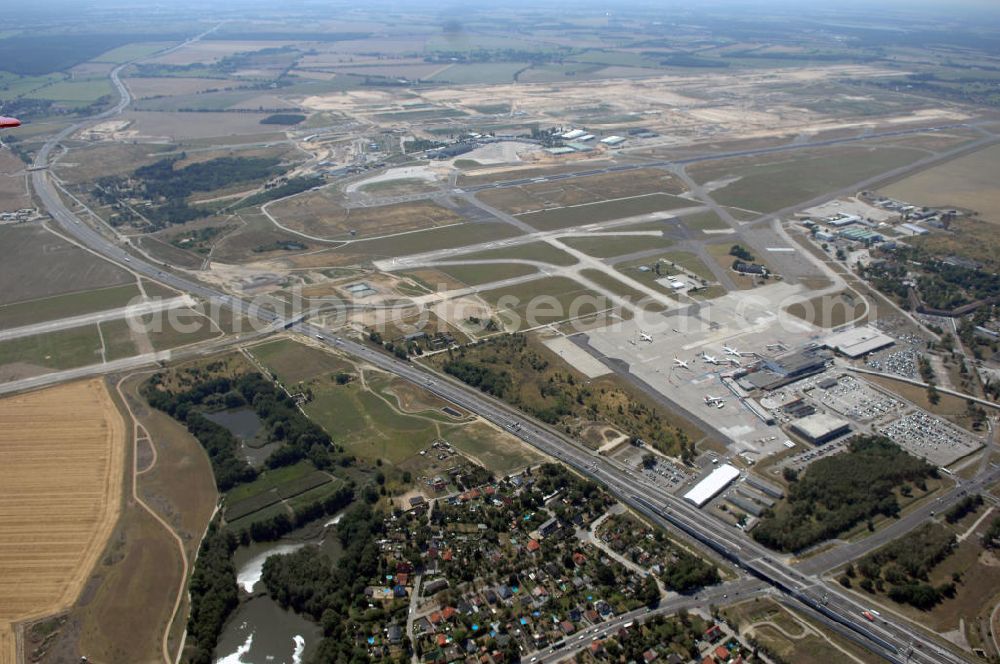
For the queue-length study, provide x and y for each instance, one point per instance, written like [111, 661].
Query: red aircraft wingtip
[9, 122]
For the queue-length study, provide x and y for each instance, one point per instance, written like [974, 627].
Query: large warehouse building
[858, 341]
[709, 488]
[820, 428]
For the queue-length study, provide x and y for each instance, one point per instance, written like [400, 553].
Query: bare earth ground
[60, 496]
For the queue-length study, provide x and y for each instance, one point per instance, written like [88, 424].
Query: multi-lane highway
[894, 641]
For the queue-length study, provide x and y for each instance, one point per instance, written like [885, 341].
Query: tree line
[301, 438]
[214, 594]
[838, 492]
[332, 594]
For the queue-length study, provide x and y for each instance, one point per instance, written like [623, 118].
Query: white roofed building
[711, 486]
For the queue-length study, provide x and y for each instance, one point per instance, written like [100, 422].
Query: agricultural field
[61, 490]
[186, 127]
[80, 93]
[56, 265]
[174, 86]
[90, 162]
[321, 213]
[966, 183]
[768, 184]
[480, 73]
[130, 52]
[590, 213]
[273, 488]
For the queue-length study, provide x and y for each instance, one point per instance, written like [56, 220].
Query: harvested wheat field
[60, 495]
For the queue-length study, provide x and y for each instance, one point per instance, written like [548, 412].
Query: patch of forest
[838, 492]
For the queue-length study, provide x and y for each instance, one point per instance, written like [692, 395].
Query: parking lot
[930, 437]
[857, 400]
[667, 474]
[900, 359]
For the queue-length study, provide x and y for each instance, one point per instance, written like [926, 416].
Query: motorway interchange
[801, 586]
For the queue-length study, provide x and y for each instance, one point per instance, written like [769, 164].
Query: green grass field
[81, 92]
[130, 52]
[13, 86]
[543, 301]
[269, 480]
[590, 213]
[612, 245]
[476, 275]
[618, 288]
[429, 240]
[293, 362]
[118, 342]
[682, 258]
[480, 72]
[428, 114]
[496, 450]
[64, 306]
[691, 263]
[181, 327]
[704, 221]
[774, 184]
[65, 349]
[366, 425]
[542, 252]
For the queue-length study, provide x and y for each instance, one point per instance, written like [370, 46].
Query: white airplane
[718, 402]
[708, 358]
[681, 363]
[732, 351]
[733, 361]
[645, 337]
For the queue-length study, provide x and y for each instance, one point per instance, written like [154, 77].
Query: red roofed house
[533, 546]
[722, 653]
[650, 656]
[579, 559]
[713, 634]
[447, 555]
[448, 613]
[435, 617]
